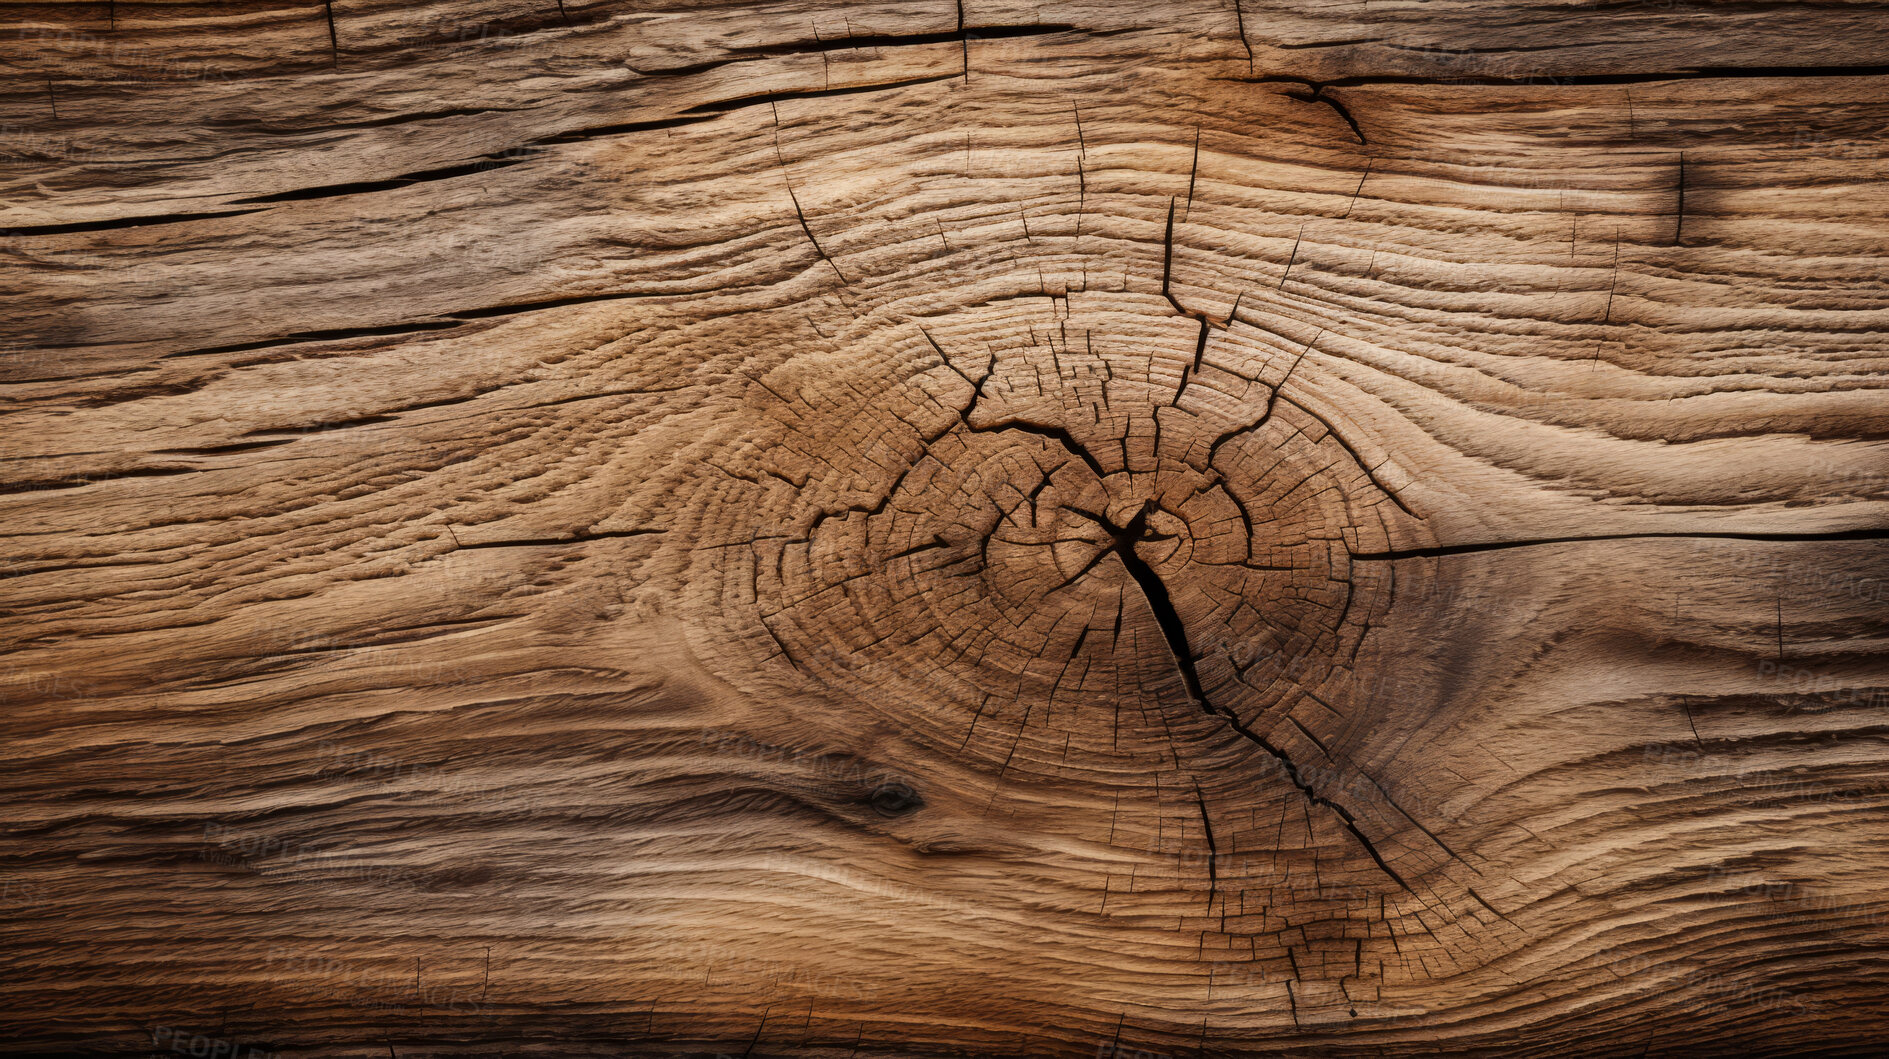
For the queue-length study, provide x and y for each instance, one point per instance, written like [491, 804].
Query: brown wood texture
[919, 527]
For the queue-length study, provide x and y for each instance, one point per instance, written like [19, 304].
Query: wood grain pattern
[944, 528]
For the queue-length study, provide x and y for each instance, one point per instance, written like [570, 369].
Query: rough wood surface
[944, 528]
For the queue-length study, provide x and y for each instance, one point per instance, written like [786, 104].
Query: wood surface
[934, 528]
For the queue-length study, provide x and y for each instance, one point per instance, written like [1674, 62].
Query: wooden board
[944, 528]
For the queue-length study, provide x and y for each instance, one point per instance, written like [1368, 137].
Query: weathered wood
[940, 528]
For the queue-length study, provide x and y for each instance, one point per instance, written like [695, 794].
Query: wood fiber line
[944, 528]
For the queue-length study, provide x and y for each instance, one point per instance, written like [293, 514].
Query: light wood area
[944, 528]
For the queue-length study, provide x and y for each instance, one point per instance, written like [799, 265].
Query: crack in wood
[579, 537]
[117, 223]
[1239, 21]
[1174, 631]
[1862, 534]
[1679, 206]
[1579, 80]
[1317, 95]
[1213, 852]
[1167, 291]
[801, 216]
[334, 44]
[484, 164]
[725, 106]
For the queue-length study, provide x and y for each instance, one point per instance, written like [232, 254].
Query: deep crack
[1175, 631]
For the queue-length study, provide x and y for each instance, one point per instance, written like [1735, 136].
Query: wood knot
[894, 799]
